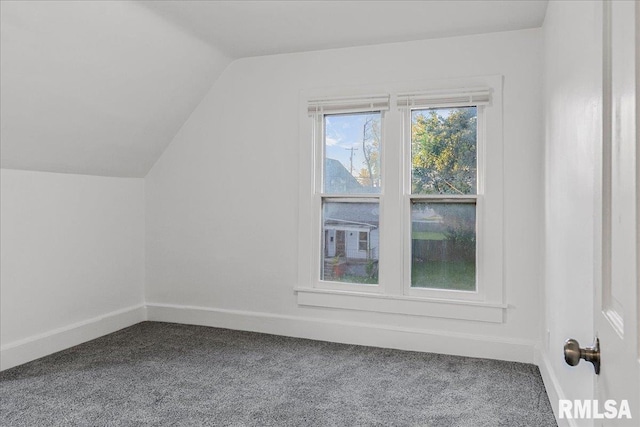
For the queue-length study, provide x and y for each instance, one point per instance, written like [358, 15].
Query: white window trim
[394, 294]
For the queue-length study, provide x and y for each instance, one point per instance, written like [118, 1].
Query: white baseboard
[375, 335]
[552, 385]
[35, 347]
[348, 332]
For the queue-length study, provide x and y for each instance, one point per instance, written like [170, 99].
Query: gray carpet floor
[169, 374]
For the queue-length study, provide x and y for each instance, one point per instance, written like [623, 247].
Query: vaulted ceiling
[101, 88]
[251, 28]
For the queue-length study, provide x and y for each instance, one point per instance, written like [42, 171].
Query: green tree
[443, 151]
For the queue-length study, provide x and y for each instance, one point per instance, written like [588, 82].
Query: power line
[352, 149]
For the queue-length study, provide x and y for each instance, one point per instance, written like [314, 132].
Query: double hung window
[349, 190]
[406, 200]
[443, 134]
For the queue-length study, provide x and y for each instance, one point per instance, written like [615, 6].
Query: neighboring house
[351, 230]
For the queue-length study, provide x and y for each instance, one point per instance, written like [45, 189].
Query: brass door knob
[573, 353]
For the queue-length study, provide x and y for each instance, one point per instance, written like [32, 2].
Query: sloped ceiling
[95, 88]
[102, 87]
[251, 28]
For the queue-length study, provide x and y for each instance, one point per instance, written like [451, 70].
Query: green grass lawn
[351, 278]
[427, 235]
[457, 275]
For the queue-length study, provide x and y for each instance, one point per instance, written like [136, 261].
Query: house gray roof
[337, 178]
[360, 213]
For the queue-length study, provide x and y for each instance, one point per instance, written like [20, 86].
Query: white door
[616, 299]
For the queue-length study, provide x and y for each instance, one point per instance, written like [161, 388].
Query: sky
[343, 132]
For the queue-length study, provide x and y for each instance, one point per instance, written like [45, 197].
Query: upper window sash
[428, 178]
[443, 99]
[351, 164]
[320, 107]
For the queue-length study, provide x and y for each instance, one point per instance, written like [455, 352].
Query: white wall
[222, 200]
[572, 80]
[72, 255]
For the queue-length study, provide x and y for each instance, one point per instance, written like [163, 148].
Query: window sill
[400, 304]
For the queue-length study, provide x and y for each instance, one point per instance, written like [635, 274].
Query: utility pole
[352, 149]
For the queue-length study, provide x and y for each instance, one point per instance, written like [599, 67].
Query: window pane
[443, 150]
[350, 242]
[443, 245]
[352, 153]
